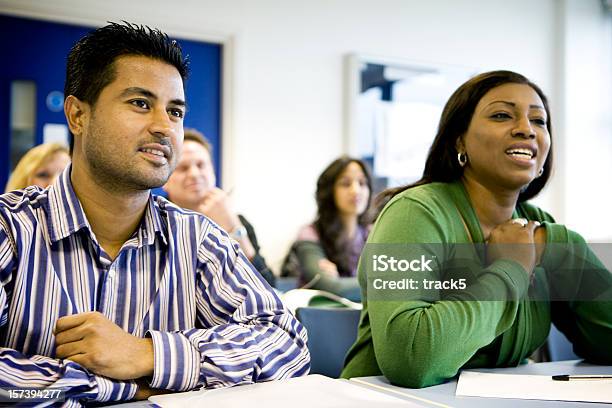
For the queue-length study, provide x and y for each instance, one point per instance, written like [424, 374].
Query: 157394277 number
[18, 394]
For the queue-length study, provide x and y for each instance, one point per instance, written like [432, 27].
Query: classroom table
[443, 395]
[313, 391]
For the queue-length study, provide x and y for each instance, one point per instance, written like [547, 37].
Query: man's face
[193, 178]
[133, 134]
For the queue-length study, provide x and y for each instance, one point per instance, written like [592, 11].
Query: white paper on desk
[533, 387]
[303, 392]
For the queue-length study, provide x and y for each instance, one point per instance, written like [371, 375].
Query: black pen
[569, 377]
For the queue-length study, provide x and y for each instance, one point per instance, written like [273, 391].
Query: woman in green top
[491, 154]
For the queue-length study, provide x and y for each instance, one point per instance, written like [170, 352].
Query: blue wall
[36, 50]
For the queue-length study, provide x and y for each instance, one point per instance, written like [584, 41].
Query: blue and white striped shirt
[179, 279]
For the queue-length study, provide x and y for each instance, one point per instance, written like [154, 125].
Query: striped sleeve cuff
[177, 362]
[109, 390]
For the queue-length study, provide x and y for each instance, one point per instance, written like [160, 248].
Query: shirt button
[111, 273]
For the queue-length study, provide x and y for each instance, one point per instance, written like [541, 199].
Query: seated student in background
[326, 252]
[39, 167]
[192, 185]
[491, 154]
[109, 292]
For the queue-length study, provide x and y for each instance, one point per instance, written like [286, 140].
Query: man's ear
[77, 114]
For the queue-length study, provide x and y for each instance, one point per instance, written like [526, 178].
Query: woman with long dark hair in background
[326, 252]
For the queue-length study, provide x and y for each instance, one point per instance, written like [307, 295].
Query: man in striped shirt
[111, 293]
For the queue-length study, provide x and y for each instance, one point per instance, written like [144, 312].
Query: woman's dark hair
[328, 223]
[441, 164]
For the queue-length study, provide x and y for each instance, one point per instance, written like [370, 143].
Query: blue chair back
[559, 346]
[286, 284]
[331, 332]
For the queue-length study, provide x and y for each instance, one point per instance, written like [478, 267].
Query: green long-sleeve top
[418, 342]
[305, 256]
[309, 253]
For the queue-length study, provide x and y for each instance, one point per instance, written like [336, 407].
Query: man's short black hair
[90, 65]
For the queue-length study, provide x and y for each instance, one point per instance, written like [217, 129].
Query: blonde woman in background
[39, 167]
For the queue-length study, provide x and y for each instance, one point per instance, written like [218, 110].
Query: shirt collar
[65, 215]
[152, 223]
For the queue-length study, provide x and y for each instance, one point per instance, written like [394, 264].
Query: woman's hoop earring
[462, 158]
[541, 171]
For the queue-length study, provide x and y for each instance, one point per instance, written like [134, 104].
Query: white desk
[313, 391]
[443, 395]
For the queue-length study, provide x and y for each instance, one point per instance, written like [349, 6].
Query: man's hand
[102, 347]
[329, 269]
[216, 206]
[144, 391]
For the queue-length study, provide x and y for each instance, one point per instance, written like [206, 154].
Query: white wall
[587, 118]
[286, 105]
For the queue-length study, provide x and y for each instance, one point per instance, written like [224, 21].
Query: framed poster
[392, 111]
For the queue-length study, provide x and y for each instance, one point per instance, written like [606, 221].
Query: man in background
[192, 185]
[111, 293]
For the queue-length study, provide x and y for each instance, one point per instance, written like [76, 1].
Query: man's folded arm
[18, 370]
[248, 335]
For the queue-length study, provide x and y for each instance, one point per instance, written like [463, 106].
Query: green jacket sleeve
[418, 343]
[582, 288]
[309, 253]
